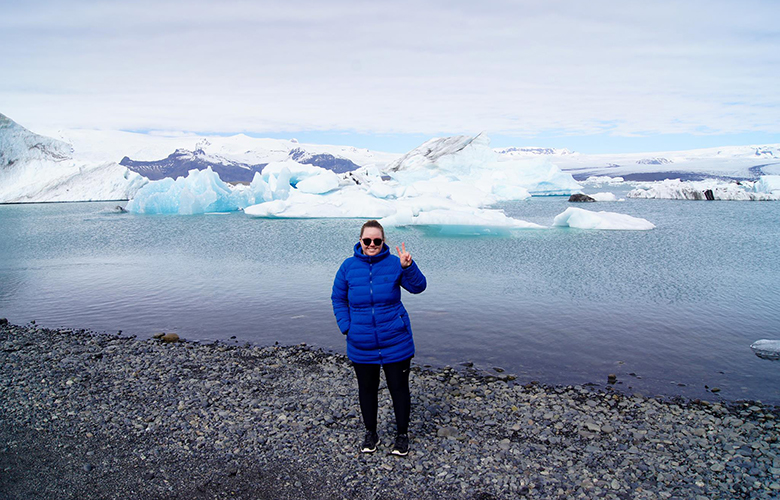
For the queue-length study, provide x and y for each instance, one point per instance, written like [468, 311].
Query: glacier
[585, 219]
[35, 168]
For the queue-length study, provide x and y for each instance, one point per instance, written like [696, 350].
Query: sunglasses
[367, 241]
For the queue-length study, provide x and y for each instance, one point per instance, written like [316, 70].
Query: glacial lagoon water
[669, 311]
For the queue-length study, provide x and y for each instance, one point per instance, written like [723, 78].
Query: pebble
[233, 408]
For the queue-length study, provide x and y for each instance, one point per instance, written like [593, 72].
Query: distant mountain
[533, 151]
[727, 163]
[324, 160]
[181, 161]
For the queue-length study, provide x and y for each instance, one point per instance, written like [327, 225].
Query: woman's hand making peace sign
[406, 257]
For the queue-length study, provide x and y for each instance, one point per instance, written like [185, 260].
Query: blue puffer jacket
[367, 303]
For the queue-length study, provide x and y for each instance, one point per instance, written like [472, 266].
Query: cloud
[512, 68]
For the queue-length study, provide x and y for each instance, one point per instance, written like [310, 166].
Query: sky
[595, 77]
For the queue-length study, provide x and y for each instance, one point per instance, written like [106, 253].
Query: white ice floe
[585, 219]
[675, 189]
[769, 184]
[298, 172]
[598, 180]
[603, 196]
[34, 168]
[346, 203]
[767, 349]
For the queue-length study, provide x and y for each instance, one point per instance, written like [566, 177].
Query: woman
[367, 303]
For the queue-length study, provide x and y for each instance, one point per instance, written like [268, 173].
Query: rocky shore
[87, 415]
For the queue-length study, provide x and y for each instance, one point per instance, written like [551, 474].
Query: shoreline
[98, 415]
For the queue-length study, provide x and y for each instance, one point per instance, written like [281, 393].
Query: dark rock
[611, 378]
[170, 338]
[3, 321]
[579, 197]
[709, 195]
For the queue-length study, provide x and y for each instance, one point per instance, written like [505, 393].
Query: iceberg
[710, 189]
[319, 184]
[767, 349]
[201, 191]
[585, 219]
[470, 160]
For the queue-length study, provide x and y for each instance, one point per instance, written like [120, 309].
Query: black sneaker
[401, 445]
[370, 442]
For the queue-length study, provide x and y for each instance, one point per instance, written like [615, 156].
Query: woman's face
[373, 233]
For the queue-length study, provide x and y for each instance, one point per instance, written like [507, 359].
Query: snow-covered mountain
[726, 163]
[181, 161]
[36, 168]
[238, 149]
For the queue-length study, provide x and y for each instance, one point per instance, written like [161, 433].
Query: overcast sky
[589, 75]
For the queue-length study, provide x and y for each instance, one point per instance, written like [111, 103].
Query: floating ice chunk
[259, 190]
[598, 180]
[462, 193]
[448, 155]
[767, 349]
[768, 184]
[346, 203]
[675, 189]
[297, 171]
[471, 161]
[280, 184]
[539, 177]
[459, 221]
[585, 219]
[603, 196]
[201, 191]
[319, 184]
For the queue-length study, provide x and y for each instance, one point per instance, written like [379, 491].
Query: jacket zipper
[373, 313]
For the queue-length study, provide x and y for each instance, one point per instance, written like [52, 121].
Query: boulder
[170, 337]
[579, 197]
[167, 337]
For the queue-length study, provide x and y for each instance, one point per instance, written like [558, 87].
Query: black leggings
[397, 375]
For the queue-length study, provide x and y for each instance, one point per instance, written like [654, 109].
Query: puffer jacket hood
[366, 300]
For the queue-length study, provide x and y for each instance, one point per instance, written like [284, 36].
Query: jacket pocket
[405, 320]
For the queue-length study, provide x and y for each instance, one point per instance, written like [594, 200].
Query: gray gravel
[87, 415]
